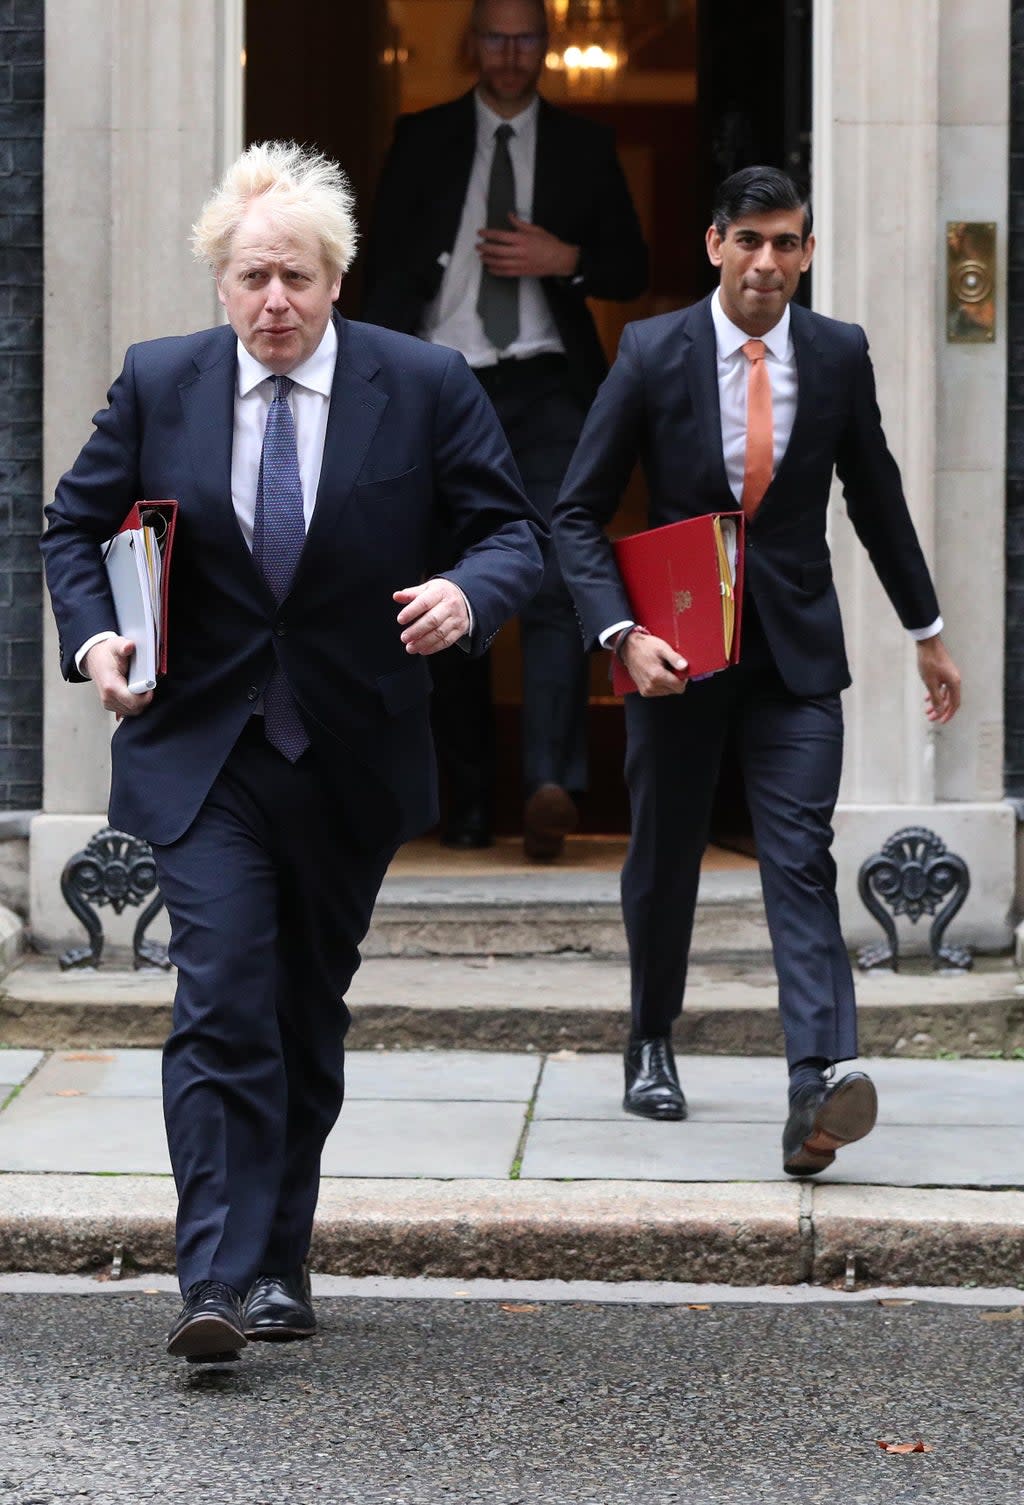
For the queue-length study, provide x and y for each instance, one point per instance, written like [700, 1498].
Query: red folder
[684, 587]
[162, 516]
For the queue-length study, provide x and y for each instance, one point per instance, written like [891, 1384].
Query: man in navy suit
[287, 753]
[683, 397]
[497, 216]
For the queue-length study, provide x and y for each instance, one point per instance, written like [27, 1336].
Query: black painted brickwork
[21, 401]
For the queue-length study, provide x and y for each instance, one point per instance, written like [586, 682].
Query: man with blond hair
[287, 752]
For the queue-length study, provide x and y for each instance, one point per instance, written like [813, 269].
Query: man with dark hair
[497, 216]
[748, 400]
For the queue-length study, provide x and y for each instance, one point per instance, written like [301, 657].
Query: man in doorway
[748, 400]
[497, 216]
[287, 752]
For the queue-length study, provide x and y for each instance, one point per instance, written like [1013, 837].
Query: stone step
[542, 1003]
[544, 914]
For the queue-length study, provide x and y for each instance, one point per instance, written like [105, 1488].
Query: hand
[434, 616]
[941, 678]
[526, 251]
[654, 667]
[107, 664]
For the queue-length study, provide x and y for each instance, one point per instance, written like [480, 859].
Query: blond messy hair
[309, 196]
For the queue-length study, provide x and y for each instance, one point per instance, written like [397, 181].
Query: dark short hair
[478, 5]
[758, 190]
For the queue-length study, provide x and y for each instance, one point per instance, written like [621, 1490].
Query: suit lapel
[357, 407]
[548, 173]
[208, 405]
[813, 382]
[702, 365]
[459, 150]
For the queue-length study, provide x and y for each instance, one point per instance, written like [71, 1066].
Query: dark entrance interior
[710, 86]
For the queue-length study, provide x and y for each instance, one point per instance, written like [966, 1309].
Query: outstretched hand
[941, 679]
[107, 664]
[434, 615]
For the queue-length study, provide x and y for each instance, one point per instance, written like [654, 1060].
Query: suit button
[280, 629]
[252, 693]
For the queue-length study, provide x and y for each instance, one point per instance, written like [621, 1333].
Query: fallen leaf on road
[151, 1291]
[87, 1055]
[906, 1447]
[1012, 1314]
[68, 1092]
[699, 1306]
[895, 1301]
[519, 1306]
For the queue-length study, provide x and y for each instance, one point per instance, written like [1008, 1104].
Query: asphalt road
[431, 1402]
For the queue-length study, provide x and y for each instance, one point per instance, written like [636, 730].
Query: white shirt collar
[316, 373]
[487, 122]
[731, 338]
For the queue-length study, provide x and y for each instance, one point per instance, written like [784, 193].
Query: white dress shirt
[733, 369]
[451, 319]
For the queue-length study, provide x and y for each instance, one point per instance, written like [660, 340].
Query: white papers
[134, 568]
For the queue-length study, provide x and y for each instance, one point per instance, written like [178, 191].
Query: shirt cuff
[97, 637]
[920, 634]
[608, 636]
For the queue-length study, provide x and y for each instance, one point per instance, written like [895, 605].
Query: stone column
[143, 110]
[911, 129]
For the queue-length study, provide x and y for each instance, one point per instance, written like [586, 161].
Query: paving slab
[465, 1076]
[752, 1089]
[436, 1139]
[15, 1066]
[709, 1151]
[108, 1135]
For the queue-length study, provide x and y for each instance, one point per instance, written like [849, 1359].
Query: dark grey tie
[279, 532]
[498, 303]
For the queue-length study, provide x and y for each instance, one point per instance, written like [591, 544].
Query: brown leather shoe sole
[848, 1115]
[550, 815]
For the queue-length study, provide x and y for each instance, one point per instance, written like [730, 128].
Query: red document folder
[162, 516]
[685, 585]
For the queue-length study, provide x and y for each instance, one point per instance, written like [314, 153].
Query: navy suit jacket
[660, 405]
[580, 195]
[410, 437]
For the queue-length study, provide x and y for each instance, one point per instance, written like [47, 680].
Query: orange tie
[760, 455]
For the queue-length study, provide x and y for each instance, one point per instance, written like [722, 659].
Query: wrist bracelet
[624, 634]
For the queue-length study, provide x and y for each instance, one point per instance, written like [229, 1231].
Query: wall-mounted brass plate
[971, 281]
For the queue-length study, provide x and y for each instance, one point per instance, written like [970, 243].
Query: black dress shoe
[279, 1308]
[209, 1329]
[549, 816]
[824, 1119]
[652, 1086]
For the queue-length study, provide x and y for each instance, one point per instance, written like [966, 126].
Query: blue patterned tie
[278, 534]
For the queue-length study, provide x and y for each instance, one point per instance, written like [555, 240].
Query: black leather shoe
[652, 1086]
[824, 1119]
[279, 1308]
[209, 1329]
[549, 816]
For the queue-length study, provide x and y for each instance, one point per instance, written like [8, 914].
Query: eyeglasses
[495, 42]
